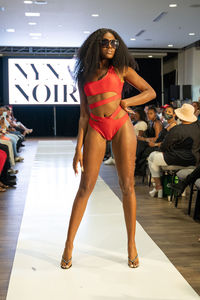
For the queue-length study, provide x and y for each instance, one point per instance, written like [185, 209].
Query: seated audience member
[18, 126]
[4, 141]
[154, 125]
[3, 157]
[13, 138]
[140, 125]
[12, 130]
[169, 117]
[180, 147]
[151, 134]
[196, 109]
[181, 185]
[6, 179]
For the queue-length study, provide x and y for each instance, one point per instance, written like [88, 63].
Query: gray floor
[100, 259]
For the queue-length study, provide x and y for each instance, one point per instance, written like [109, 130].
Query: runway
[100, 270]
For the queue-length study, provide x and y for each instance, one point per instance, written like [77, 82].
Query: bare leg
[93, 153]
[124, 149]
[158, 183]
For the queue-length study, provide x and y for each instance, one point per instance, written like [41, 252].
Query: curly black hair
[152, 107]
[88, 56]
[141, 113]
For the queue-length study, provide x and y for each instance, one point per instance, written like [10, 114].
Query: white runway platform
[100, 270]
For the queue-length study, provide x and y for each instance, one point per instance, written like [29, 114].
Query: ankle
[131, 247]
[69, 244]
[159, 187]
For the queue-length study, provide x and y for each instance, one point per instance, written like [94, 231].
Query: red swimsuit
[106, 126]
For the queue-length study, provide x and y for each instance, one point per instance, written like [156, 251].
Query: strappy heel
[67, 263]
[131, 263]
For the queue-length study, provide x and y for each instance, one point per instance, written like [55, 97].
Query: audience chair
[172, 170]
[182, 174]
[197, 203]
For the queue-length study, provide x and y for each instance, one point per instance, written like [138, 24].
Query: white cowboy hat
[186, 113]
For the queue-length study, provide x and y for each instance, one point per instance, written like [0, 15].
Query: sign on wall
[42, 81]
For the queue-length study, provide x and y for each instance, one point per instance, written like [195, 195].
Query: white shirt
[140, 125]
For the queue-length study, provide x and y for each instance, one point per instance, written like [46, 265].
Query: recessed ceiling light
[170, 45]
[86, 32]
[59, 25]
[173, 5]
[32, 23]
[132, 39]
[10, 30]
[35, 38]
[95, 15]
[191, 33]
[35, 34]
[150, 56]
[30, 14]
[28, 2]
[40, 2]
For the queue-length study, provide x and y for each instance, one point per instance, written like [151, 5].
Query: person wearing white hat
[186, 113]
[180, 147]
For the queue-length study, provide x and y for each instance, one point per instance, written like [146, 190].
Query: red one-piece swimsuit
[106, 126]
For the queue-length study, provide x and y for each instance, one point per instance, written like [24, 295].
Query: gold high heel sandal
[67, 262]
[131, 263]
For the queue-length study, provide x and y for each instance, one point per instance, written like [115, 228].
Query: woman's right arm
[82, 129]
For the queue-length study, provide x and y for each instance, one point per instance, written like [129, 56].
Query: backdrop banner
[42, 81]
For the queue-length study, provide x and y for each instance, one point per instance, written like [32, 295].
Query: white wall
[189, 67]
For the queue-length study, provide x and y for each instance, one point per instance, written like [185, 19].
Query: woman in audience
[170, 117]
[196, 109]
[151, 134]
[141, 121]
[154, 127]
[12, 130]
[6, 179]
[13, 138]
[16, 124]
[180, 147]
[3, 157]
[6, 141]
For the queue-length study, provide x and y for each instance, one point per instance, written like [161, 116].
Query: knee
[127, 186]
[151, 157]
[85, 188]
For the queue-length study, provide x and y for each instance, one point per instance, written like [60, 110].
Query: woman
[151, 134]
[3, 157]
[12, 137]
[170, 116]
[141, 122]
[102, 67]
[16, 124]
[180, 147]
[196, 106]
[155, 125]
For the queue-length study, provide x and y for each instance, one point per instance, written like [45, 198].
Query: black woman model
[102, 67]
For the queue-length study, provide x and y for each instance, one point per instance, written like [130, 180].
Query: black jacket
[181, 145]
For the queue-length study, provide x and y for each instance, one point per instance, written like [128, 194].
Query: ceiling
[62, 23]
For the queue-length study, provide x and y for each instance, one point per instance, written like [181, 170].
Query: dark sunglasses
[113, 43]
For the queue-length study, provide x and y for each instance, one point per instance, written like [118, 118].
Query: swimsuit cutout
[106, 126]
